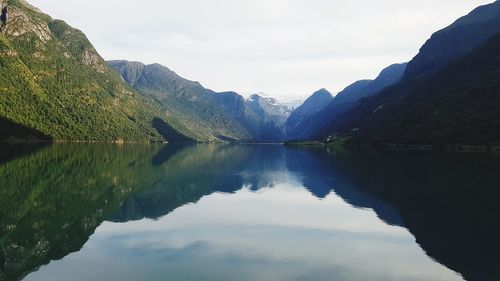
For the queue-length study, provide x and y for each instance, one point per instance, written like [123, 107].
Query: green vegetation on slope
[53, 81]
[194, 107]
[202, 113]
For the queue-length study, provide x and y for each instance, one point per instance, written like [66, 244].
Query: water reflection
[256, 212]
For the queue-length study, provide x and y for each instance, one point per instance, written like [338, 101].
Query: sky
[284, 48]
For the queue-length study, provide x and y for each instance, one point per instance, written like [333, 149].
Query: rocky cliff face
[17, 21]
[3, 14]
[269, 108]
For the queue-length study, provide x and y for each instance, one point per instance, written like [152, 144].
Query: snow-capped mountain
[269, 108]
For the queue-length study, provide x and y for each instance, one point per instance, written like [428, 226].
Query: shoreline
[460, 148]
[456, 148]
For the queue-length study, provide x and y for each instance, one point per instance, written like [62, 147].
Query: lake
[246, 212]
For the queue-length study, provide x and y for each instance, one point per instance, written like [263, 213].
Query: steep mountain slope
[269, 108]
[456, 105]
[262, 126]
[55, 84]
[195, 107]
[272, 114]
[456, 40]
[347, 99]
[444, 98]
[301, 116]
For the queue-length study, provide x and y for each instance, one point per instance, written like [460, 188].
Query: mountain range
[202, 113]
[448, 94]
[344, 101]
[54, 86]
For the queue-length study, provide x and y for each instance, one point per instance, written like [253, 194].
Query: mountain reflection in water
[212, 212]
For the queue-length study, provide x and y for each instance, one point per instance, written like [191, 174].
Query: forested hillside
[55, 86]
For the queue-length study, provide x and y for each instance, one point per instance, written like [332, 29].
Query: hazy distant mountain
[300, 119]
[55, 86]
[456, 40]
[271, 117]
[269, 108]
[262, 126]
[347, 99]
[292, 103]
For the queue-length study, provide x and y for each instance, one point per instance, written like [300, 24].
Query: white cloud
[287, 48]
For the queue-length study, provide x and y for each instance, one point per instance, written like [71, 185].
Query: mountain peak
[259, 95]
[263, 98]
[19, 18]
[137, 73]
[391, 69]
[301, 117]
[317, 101]
[320, 93]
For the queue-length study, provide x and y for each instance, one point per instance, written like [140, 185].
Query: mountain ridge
[214, 116]
[456, 105]
[347, 99]
[456, 40]
[449, 101]
[54, 86]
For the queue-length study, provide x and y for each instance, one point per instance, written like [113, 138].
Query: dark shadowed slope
[457, 105]
[447, 96]
[456, 40]
[347, 99]
[300, 119]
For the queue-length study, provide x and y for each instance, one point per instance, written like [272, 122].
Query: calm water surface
[229, 212]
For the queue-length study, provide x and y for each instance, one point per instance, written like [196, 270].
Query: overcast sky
[285, 48]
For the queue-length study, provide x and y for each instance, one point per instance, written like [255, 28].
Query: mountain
[203, 113]
[259, 122]
[347, 100]
[269, 108]
[301, 116]
[271, 113]
[55, 86]
[194, 107]
[456, 40]
[456, 105]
